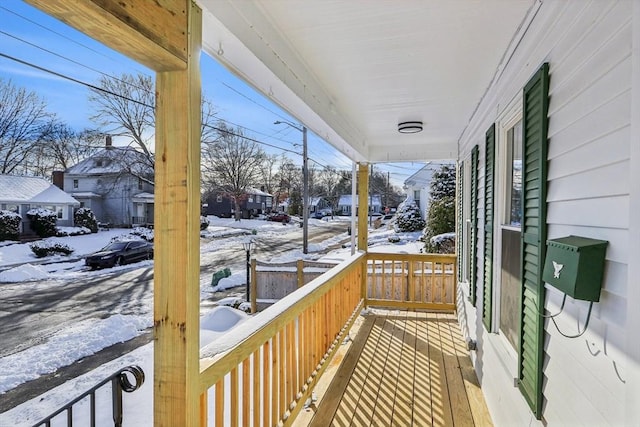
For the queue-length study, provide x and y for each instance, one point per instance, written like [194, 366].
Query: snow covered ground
[88, 337]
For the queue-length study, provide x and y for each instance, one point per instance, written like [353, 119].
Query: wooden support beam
[153, 33]
[177, 231]
[363, 206]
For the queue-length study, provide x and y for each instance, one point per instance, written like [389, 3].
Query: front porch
[402, 368]
[405, 366]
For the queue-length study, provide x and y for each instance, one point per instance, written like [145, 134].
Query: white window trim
[506, 120]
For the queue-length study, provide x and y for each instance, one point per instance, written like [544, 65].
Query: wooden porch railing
[424, 281]
[268, 368]
[263, 371]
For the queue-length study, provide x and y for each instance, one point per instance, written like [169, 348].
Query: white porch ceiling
[351, 70]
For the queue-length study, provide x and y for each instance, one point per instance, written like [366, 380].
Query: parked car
[120, 253]
[279, 217]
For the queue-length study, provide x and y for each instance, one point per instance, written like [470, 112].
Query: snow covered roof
[345, 200]
[423, 176]
[143, 197]
[86, 195]
[32, 190]
[113, 160]
[257, 192]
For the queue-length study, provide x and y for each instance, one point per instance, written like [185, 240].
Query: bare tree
[268, 173]
[328, 181]
[231, 164]
[23, 116]
[63, 147]
[125, 106]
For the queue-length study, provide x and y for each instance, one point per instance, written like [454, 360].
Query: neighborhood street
[31, 312]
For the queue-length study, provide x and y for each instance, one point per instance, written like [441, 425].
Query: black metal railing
[119, 382]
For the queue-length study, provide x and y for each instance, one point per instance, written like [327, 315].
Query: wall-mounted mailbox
[575, 265]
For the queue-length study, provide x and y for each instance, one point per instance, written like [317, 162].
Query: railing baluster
[92, 399]
[266, 388]
[256, 387]
[220, 403]
[70, 416]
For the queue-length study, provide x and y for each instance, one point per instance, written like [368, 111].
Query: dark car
[279, 217]
[120, 253]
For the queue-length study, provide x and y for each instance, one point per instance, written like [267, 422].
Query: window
[99, 163]
[75, 183]
[514, 175]
[257, 198]
[416, 195]
[219, 198]
[140, 183]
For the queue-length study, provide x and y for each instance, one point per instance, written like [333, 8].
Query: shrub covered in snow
[9, 225]
[441, 217]
[84, 217]
[143, 232]
[48, 247]
[204, 223]
[72, 231]
[442, 243]
[408, 217]
[43, 222]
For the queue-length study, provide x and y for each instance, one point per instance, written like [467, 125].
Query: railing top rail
[447, 258]
[229, 350]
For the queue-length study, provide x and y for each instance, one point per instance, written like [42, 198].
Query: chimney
[57, 177]
[108, 141]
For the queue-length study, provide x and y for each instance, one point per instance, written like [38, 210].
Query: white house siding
[592, 182]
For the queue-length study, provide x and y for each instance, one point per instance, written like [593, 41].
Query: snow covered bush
[443, 243]
[144, 232]
[47, 247]
[441, 217]
[204, 223]
[43, 222]
[408, 217]
[84, 217]
[72, 231]
[9, 225]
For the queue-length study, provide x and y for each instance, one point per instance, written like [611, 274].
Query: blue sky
[28, 35]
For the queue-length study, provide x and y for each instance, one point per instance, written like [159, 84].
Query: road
[31, 312]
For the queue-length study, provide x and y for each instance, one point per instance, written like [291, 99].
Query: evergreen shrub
[9, 225]
[43, 222]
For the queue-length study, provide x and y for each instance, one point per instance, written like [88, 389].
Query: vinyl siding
[588, 47]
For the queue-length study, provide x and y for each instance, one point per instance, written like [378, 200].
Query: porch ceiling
[352, 70]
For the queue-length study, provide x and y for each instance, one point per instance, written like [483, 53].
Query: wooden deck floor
[404, 369]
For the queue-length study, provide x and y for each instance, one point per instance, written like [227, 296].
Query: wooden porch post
[177, 266]
[363, 206]
[165, 36]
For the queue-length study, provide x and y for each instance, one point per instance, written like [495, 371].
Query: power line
[59, 34]
[65, 77]
[70, 60]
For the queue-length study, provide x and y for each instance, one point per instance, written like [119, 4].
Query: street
[31, 312]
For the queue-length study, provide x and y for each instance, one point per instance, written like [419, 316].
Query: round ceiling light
[410, 127]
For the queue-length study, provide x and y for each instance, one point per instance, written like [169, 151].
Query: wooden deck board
[405, 369]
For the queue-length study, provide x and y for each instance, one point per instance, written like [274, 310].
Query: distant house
[418, 185]
[254, 202]
[317, 204]
[22, 193]
[344, 204]
[116, 183]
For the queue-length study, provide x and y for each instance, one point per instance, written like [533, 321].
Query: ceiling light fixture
[410, 127]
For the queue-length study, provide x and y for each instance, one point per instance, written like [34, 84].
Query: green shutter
[473, 268]
[534, 234]
[489, 173]
[460, 216]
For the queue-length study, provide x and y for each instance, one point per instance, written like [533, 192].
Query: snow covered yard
[64, 348]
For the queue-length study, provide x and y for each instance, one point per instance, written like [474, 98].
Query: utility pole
[305, 185]
[305, 191]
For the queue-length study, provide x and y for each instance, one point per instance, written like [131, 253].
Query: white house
[344, 204]
[418, 185]
[116, 183]
[21, 193]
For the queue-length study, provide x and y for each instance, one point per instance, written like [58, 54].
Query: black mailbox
[575, 265]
